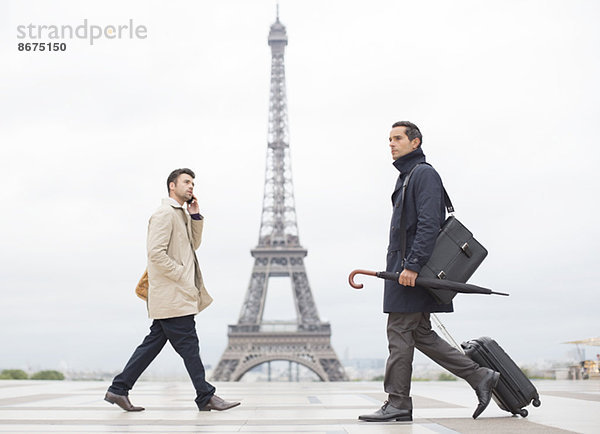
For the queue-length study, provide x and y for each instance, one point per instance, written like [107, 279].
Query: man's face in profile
[400, 144]
[183, 187]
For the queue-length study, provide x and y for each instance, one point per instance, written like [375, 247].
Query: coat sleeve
[160, 228]
[197, 226]
[428, 201]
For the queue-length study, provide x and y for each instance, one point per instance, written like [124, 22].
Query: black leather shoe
[219, 404]
[122, 401]
[387, 412]
[484, 391]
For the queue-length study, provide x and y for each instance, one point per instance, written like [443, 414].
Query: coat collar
[172, 202]
[405, 163]
[169, 201]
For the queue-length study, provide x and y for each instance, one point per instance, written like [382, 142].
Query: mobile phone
[189, 202]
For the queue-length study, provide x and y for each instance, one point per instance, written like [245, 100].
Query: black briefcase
[456, 255]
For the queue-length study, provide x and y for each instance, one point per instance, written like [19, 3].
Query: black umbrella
[426, 282]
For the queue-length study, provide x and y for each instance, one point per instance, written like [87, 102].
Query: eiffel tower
[252, 341]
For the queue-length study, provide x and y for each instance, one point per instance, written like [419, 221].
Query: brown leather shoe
[217, 403]
[122, 401]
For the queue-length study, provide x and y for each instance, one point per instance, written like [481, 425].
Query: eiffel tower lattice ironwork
[307, 340]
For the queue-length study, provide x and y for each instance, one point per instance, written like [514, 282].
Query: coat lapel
[187, 220]
[397, 189]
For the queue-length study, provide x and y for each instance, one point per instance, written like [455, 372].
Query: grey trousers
[407, 331]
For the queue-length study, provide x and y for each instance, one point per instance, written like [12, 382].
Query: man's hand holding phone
[192, 205]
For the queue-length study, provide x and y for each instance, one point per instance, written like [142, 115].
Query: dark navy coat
[424, 213]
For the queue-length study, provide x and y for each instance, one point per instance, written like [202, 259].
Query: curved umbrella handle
[354, 273]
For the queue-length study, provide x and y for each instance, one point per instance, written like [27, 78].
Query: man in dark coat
[416, 221]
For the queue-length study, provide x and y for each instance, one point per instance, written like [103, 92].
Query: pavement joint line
[32, 398]
[314, 400]
[192, 409]
[244, 422]
[370, 398]
[572, 395]
[440, 429]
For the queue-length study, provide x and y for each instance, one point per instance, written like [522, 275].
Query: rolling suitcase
[514, 390]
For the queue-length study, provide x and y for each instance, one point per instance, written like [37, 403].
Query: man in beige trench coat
[176, 293]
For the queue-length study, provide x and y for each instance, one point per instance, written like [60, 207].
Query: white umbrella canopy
[594, 342]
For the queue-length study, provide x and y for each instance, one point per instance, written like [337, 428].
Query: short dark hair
[412, 131]
[175, 174]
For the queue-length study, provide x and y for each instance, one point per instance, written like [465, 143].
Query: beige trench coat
[175, 285]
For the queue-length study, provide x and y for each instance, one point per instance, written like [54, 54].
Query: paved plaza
[440, 407]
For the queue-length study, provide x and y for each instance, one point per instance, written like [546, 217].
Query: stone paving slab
[440, 407]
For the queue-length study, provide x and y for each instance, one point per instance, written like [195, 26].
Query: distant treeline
[19, 374]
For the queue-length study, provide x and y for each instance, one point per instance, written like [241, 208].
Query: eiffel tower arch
[253, 341]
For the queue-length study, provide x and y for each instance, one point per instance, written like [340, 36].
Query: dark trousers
[181, 332]
[407, 331]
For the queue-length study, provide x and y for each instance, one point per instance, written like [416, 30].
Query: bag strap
[450, 209]
[447, 203]
[447, 200]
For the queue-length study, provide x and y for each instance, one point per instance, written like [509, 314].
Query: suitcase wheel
[536, 402]
[523, 412]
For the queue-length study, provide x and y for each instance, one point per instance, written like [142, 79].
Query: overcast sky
[506, 94]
